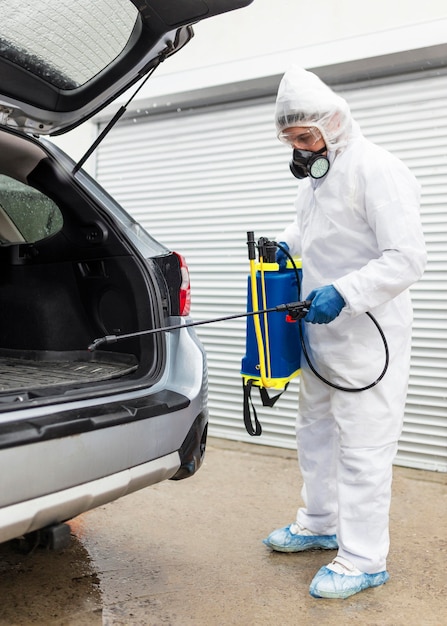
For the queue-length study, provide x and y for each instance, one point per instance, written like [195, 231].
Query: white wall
[264, 38]
[268, 33]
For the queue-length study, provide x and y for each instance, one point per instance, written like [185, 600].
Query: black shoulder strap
[255, 430]
[247, 385]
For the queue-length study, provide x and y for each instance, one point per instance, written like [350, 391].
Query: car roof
[61, 62]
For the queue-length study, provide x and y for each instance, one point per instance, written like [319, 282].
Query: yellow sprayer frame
[264, 379]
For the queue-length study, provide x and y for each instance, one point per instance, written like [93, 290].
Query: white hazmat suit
[357, 228]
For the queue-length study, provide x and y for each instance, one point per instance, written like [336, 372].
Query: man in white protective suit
[358, 231]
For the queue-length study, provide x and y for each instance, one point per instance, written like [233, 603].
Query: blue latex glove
[326, 305]
[281, 257]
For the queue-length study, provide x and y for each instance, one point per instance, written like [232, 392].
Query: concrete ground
[190, 553]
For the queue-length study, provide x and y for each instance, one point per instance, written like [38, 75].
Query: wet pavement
[189, 553]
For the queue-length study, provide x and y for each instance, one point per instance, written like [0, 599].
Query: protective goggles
[300, 138]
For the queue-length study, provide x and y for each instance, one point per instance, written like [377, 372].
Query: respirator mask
[307, 163]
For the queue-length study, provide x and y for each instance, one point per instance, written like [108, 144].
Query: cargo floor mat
[35, 369]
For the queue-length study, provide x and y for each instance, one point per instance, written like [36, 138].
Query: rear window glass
[26, 215]
[65, 42]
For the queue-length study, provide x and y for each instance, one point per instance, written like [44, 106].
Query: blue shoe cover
[283, 540]
[330, 584]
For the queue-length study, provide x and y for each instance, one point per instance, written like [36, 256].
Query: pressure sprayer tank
[282, 341]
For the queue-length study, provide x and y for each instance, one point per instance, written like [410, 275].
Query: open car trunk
[67, 276]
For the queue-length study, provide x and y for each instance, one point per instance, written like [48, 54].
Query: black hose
[303, 344]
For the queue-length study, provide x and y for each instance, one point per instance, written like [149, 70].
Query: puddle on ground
[48, 587]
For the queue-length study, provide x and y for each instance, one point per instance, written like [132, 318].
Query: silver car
[83, 422]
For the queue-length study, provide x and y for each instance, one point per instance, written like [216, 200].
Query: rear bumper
[29, 513]
[90, 418]
[25, 517]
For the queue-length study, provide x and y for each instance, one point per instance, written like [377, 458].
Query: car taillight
[185, 287]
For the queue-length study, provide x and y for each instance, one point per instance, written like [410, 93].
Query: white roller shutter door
[199, 180]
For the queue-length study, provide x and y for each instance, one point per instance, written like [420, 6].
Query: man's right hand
[325, 306]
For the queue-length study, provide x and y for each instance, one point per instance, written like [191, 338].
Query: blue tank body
[284, 337]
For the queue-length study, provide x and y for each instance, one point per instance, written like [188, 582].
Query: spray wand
[296, 310]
